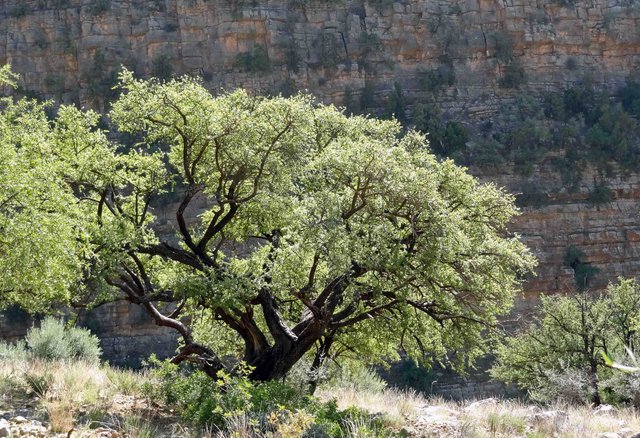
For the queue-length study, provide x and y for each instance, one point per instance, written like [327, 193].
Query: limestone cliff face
[63, 48]
[456, 53]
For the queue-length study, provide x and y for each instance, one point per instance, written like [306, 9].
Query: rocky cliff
[467, 57]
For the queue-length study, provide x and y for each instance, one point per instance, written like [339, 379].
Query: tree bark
[276, 361]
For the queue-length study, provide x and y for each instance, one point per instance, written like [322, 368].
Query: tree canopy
[295, 230]
[41, 231]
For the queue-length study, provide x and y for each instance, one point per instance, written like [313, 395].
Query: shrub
[630, 97]
[48, 342]
[356, 376]
[13, 352]
[234, 404]
[367, 97]
[328, 50]
[52, 341]
[503, 47]
[99, 7]
[39, 383]
[568, 385]
[83, 345]
[254, 61]
[161, 67]
[513, 76]
[20, 10]
[601, 194]
[583, 272]
[505, 423]
[396, 103]
[434, 80]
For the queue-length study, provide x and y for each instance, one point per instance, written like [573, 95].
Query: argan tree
[295, 230]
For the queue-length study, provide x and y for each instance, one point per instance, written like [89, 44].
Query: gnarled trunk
[276, 361]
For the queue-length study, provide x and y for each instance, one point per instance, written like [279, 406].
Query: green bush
[20, 10]
[161, 67]
[262, 407]
[254, 61]
[13, 352]
[600, 194]
[83, 345]
[513, 76]
[583, 272]
[48, 341]
[434, 80]
[396, 107]
[52, 341]
[99, 7]
[559, 354]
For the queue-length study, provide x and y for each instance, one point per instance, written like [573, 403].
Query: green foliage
[39, 383]
[396, 104]
[434, 80]
[513, 76]
[357, 376]
[630, 97]
[52, 341]
[101, 82]
[161, 67]
[367, 97]
[54, 83]
[20, 10]
[291, 55]
[348, 216]
[99, 7]
[48, 341]
[531, 196]
[504, 423]
[254, 61]
[559, 355]
[381, 5]
[349, 102]
[41, 246]
[503, 47]
[264, 406]
[329, 50]
[600, 194]
[446, 138]
[13, 352]
[583, 271]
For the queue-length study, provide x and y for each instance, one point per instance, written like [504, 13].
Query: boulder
[604, 410]
[5, 431]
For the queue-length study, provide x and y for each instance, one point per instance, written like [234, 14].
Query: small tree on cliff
[298, 230]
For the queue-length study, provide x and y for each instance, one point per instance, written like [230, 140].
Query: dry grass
[393, 402]
[79, 395]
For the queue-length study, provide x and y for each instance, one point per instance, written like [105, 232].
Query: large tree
[294, 229]
[42, 231]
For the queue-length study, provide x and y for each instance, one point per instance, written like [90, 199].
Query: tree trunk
[318, 362]
[275, 362]
[593, 377]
